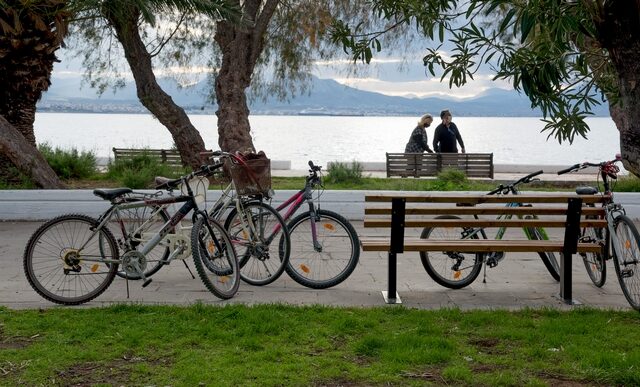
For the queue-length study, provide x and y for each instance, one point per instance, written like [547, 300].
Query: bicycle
[74, 258]
[325, 246]
[256, 229]
[620, 240]
[456, 270]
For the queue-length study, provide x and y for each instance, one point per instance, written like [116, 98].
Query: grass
[276, 345]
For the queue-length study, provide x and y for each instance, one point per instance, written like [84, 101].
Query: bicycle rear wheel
[451, 269]
[66, 263]
[548, 258]
[261, 239]
[627, 261]
[334, 257]
[594, 263]
[215, 258]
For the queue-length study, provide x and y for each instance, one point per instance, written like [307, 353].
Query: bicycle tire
[439, 264]
[628, 266]
[158, 255]
[548, 258]
[257, 265]
[215, 258]
[329, 263]
[54, 266]
[594, 263]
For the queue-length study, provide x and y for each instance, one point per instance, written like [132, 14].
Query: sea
[512, 140]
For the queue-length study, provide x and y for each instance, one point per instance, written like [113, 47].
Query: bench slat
[475, 245]
[456, 210]
[482, 223]
[479, 199]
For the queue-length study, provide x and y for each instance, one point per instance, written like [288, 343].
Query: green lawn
[283, 345]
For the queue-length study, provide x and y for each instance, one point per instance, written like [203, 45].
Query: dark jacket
[418, 141]
[444, 139]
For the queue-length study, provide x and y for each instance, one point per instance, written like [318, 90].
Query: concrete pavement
[520, 281]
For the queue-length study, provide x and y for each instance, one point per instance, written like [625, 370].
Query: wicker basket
[254, 178]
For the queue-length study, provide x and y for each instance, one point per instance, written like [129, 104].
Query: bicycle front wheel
[548, 258]
[451, 269]
[594, 263]
[262, 241]
[215, 258]
[627, 260]
[66, 263]
[330, 258]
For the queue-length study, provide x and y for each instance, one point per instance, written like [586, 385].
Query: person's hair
[423, 119]
[445, 112]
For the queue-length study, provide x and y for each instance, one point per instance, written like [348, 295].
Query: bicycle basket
[253, 177]
[199, 187]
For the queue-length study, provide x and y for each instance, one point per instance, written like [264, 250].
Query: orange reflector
[224, 279]
[627, 244]
[329, 226]
[457, 275]
[305, 268]
[95, 268]
[245, 235]
[211, 247]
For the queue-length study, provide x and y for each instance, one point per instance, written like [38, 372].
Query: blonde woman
[418, 141]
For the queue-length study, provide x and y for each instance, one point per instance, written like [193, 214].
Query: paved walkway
[519, 281]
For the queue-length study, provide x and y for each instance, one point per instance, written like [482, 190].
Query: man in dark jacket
[446, 135]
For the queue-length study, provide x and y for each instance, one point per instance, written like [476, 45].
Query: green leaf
[526, 24]
[507, 20]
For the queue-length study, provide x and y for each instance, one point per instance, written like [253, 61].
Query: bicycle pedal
[491, 262]
[626, 273]
[147, 282]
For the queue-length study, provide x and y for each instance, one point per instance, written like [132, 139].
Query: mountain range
[326, 97]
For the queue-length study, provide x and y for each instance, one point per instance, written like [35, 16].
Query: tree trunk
[619, 33]
[160, 104]
[26, 157]
[234, 130]
[241, 45]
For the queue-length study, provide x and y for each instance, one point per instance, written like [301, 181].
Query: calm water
[513, 140]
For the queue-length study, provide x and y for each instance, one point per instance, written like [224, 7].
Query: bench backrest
[430, 164]
[166, 156]
[536, 210]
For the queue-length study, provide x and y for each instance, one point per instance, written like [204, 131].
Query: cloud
[425, 87]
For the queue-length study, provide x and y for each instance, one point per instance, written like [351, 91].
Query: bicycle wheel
[594, 262]
[627, 261]
[451, 269]
[140, 225]
[215, 258]
[548, 258]
[262, 242]
[59, 271]
[334, 257]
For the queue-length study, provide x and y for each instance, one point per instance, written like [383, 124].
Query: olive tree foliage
[566, 56]
[129, 33]
[270, 49]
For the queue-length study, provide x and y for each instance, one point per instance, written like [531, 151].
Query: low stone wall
[31, 205]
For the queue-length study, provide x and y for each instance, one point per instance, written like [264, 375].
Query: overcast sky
[391, 76]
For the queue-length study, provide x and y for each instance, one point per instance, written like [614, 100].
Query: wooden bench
[395, 212]
[430, 164]
[171, 157]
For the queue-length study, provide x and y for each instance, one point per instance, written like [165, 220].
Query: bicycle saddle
[586, 190]
[110, 194]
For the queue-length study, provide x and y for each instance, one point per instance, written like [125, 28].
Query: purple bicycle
[325, 248]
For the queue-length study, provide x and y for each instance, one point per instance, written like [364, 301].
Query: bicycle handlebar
[509, 187]
[602, 166]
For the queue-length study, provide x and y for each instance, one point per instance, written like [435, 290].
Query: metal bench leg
[565, 279]
[571, 235]
[391, 296]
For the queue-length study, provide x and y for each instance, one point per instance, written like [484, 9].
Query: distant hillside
[327, 97]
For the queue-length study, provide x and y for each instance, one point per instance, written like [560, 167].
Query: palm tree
[30, 34]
